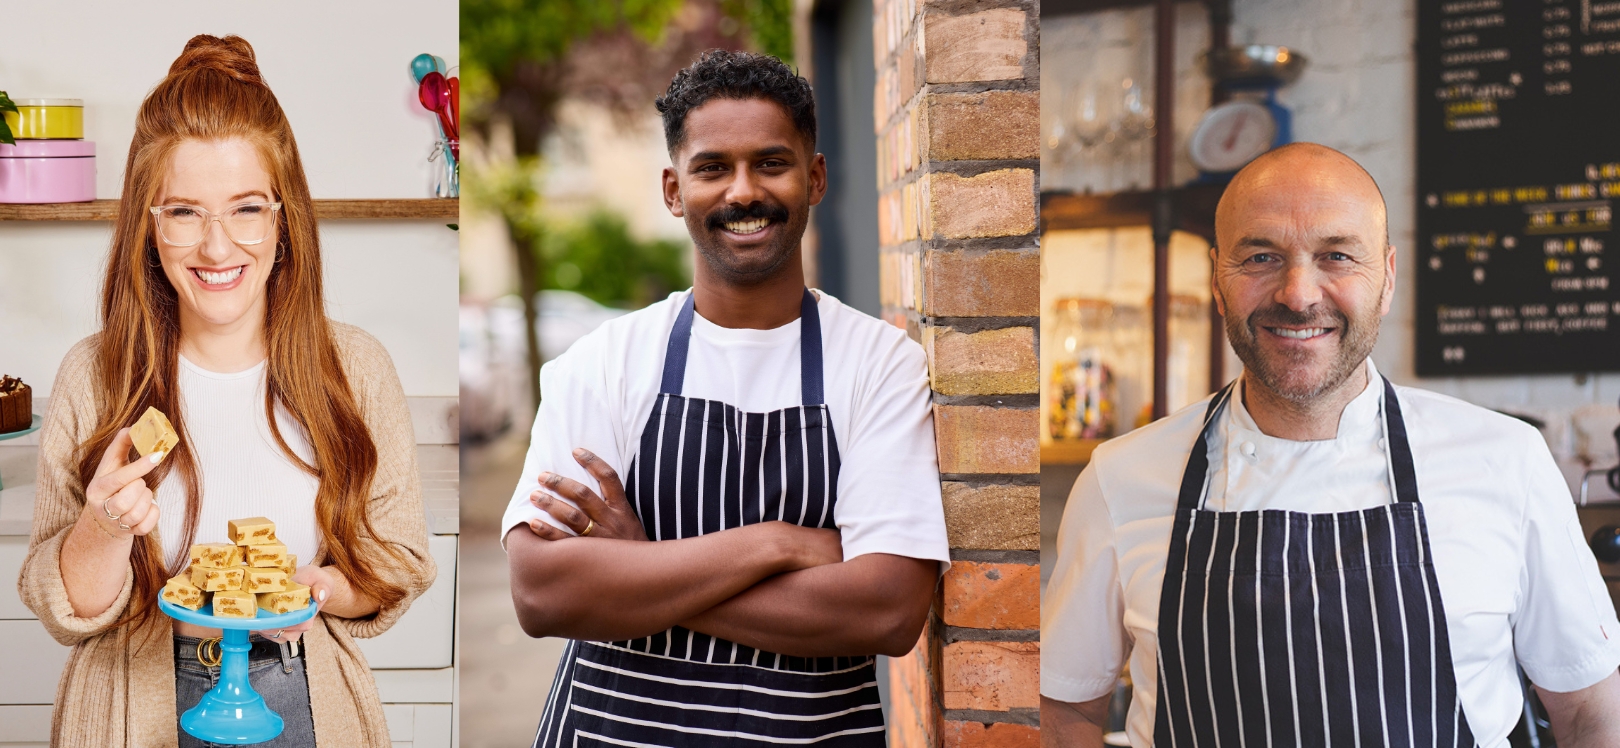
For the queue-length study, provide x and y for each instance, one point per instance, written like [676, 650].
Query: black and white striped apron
[1281, 628]
[704, 466]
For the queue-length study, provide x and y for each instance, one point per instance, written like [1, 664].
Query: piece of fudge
[289, 564]
[216, 580]
[264, 580]
[295, 597]
[235, 604]
[180, 591]
[252, 531]
[153, 433]
[267, 556]
[216, 555]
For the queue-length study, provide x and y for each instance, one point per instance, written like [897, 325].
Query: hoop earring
[279, 253]
[152, 254]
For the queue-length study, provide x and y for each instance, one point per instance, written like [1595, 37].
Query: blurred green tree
[599, 258]
[520, 58]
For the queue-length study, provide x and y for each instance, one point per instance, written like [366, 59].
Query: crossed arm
[773, 586]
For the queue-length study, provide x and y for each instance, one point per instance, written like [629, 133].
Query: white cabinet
[424, 637]
[414, 662]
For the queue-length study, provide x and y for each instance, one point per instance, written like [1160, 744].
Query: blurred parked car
[494, 385]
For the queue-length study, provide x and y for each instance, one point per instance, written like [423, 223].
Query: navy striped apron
[1281, 628]
[704, 466]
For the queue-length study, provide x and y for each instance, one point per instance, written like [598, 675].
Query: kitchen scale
[231, 712]
[1232, 134]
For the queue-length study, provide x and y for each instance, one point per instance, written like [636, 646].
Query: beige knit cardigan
[118, 686]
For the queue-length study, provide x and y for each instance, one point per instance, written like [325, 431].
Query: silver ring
[108, 512]
[123, 526]
[278, 633]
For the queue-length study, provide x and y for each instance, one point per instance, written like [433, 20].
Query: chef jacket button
[1248, 449]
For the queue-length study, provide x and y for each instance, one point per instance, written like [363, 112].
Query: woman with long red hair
[212, 312]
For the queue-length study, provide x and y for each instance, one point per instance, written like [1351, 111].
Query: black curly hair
[723, 74]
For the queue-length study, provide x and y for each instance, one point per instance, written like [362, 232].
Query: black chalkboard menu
[1518, 161]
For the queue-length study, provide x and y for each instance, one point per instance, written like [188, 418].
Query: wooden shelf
[1068, 451]
[107, 210]
[1194, 209]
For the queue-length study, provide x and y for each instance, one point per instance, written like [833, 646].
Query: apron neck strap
[810, 371]
[1400, 451]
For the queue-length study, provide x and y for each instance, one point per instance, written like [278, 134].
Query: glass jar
[1187, 365]
[1083, 400]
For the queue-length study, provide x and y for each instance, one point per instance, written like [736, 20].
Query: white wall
[341, 72]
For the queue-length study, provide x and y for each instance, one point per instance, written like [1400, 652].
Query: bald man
[1313, 556]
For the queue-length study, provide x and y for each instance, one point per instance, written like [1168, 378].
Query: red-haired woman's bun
[231, 55]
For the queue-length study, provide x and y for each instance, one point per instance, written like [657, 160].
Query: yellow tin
[47, 119]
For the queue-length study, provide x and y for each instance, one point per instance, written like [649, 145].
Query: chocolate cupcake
[16, 405]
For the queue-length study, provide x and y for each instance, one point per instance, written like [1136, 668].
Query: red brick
[984, 46]
[992, 362]
[995, 203]
[996, 518]
[991, 676]
[994, 735]
[988, 125]
[982, 439]
[979, 283]
[993, 596]
[914, 693]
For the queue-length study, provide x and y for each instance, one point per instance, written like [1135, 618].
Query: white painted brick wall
[1358, 96]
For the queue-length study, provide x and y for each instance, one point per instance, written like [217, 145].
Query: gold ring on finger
[123, 527]
[208, 651]
[108, 512]
[590, 524]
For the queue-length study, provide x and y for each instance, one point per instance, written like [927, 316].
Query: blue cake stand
[232, 713]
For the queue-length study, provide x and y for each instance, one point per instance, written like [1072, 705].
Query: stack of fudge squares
[252, 571]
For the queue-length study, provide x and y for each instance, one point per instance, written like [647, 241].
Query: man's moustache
[1281, 316]
[735, 213]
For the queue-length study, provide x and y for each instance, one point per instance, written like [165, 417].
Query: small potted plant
[6, 105]
[5, 128]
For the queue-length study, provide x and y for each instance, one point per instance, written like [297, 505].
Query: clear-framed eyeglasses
[186, 225]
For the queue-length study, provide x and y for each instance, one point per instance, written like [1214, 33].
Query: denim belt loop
[286, 656]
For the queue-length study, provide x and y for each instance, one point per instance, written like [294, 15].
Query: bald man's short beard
[1288, 379]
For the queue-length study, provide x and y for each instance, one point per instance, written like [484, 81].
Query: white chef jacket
[1519, 584]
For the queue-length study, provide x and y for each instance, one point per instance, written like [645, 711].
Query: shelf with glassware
[1137, 343]
[392, 209]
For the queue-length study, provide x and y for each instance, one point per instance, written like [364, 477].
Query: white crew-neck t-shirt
[600, 393]
[244, 472]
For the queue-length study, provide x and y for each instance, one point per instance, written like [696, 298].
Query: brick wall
[957, 115]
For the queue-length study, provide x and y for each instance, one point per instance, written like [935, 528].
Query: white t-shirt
[600, 393]
[1516, 577]
[244, 473]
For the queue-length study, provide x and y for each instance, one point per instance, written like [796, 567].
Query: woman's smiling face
[221, 284]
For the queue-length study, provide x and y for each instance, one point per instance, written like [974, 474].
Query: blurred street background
[563, 227]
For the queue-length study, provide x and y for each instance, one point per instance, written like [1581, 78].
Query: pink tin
[48, 171]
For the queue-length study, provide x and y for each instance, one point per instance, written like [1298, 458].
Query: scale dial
[1231, 135]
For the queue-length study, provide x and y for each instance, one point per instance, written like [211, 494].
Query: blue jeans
[278, 677]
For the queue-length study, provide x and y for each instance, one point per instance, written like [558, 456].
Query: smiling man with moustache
[731, 499]
[1314, 556]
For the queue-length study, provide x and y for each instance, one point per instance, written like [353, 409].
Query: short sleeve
[888, 481]
[1564, 631]
[1083, 638]
[573, 413]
